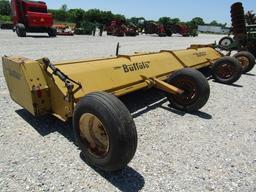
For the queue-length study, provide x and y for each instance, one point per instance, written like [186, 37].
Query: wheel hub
[190, 93]
[225, 71]
[94, 135]
[226, 42]
[244, 61]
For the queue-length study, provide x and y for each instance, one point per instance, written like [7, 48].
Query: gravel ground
[212, 150]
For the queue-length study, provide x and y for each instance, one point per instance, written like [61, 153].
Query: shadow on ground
[48, 124]
[141, 102]
[138, 103]
[250, 74]
[127, 180]
[39, 36]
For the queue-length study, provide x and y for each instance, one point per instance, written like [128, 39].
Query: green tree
[60, 14]
[119, 17]
[75, 16]
[64, 8]
[193, 24]
[137, 20]
[164, 20]
[198, 21]
[168, 21]
[215, 23]
[5, 8]
[175, 21]
[93, 15]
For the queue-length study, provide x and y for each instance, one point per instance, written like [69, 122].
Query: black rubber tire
[119, 126]
[52, 32]
[21, 30]
[201, 87]
[236, 69]
[221, 42]
[250, 58]
[162, 34]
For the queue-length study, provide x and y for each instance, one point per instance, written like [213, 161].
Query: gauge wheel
[226, 70]
[247, 60]
[196, 90]
[226, 42]
[104, 131]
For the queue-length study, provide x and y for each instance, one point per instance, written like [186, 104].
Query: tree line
[81, 17]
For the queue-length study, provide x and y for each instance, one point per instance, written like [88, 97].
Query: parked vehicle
[31, 16]
[121, 28]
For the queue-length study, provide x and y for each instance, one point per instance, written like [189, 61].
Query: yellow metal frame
[40, 92]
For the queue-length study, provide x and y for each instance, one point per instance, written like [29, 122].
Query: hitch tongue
[159, 84]
[167, 87]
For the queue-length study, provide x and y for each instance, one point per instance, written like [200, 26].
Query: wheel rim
[225, 71]
[244, 61]
[190, 94]
[94, 135]
[225, 42]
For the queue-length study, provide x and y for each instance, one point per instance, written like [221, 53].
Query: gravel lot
[212, 150]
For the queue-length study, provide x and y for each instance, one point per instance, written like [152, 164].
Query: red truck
[31, 16]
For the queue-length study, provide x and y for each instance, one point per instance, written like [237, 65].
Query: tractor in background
[181, 29]
[244, 35]
[151, 27]
[121, 28]
[31, 16]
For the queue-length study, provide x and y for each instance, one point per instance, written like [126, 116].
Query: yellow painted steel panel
[116, 73]
[194, 57]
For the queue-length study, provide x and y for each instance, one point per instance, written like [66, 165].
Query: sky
[218, 10]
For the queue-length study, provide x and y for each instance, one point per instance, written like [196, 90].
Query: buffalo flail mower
[88, 91]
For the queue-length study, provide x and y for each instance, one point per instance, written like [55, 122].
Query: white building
[212, 29]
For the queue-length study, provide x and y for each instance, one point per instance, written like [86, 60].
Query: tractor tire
[226, 70]
[247, 60]
[225, 42]
[196, 90]
[169, 34]
[52, 32]
[162, 34]
[21, 30]
[105, 131]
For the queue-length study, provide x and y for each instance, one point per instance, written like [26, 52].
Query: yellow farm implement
[87, 91]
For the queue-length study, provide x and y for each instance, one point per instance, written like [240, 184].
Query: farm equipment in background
[250, 18]
[64, 29]
[244, 35]
[163, 30]
[31, 16]
[151, 27]
[121, 28]
[6, 25]
[182, 29]
[131, 29]
[89, 28]
[116, 28]
[88, 91]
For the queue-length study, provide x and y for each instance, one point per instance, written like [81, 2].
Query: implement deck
[37, 89]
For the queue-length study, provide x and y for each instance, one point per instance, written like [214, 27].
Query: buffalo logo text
[136, 67]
